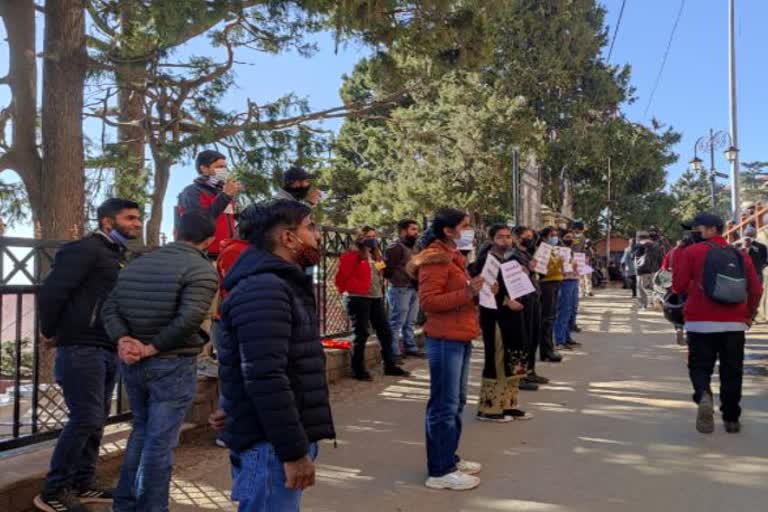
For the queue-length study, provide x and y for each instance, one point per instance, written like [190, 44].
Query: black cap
[296, 174]
[704, 219]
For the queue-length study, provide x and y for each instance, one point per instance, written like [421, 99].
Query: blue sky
[692, 95]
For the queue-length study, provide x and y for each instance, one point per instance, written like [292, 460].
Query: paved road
[613, 432]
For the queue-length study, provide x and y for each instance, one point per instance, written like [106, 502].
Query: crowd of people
[246, 283]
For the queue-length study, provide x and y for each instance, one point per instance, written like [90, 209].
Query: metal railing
[32, 407]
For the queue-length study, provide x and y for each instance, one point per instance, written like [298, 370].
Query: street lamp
[696, 164]
[731, 154]
[715, 140]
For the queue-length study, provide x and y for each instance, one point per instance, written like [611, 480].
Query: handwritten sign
[580, 258]
[487, 300]
[516, 280]
[564, 253]
[542, 257]
[491, 270]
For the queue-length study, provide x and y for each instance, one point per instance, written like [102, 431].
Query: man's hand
[314, 196]
[129, 350]
[217, 419]
[148, 351]
[232, 187]
[48, 343]
[300, 474]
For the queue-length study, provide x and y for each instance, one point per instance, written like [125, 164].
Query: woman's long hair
[444, 218]
[359, 243]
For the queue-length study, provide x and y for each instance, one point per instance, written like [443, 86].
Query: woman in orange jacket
[449, 299]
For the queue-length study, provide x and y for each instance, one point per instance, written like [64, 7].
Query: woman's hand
[513, 305]
[475, 285]
[495, 288]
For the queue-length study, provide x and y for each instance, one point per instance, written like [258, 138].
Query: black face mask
[528, 243]
[567, 243]
[696, 237]
[299, 193]
[371, 243]
[409, 241]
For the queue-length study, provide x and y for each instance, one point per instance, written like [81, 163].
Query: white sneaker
[468, 467]
[456, 481]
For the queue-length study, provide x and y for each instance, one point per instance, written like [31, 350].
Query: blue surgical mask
[553, 240]
[119, 238]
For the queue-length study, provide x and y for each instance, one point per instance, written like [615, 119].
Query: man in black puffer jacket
[69, 302]
[271, 361]
[155, 312]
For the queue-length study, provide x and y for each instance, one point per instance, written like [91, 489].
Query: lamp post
[733, 153]
[715, 140]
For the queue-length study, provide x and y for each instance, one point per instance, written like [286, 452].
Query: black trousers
[532, 312]
[704, 349]
[365, 312]
[549, 292]
[632, 282]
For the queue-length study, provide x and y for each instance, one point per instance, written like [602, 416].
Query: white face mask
[467, 236]
[221, 174]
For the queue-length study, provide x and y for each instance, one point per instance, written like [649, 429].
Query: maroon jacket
[687, 277]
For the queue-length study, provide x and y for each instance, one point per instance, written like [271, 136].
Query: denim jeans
[567, 302]
[160, 391]
[403, 310]
[258, 480]
[448, 376]
[87, 378]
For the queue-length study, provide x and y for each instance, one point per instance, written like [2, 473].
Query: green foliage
[692, 193]
[14, 204]
[8, 359]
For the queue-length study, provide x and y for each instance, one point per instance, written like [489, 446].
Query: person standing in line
[274, 394]
[550, 291]
[567, 302]
[504, 336]
[402, 297]
[723, 294]
[69, 302]
[449, 298]
[213, 192]
[525, 249]
[628, 267]
[297, 186]
[360, 280]
[154, 314]
[580, 245]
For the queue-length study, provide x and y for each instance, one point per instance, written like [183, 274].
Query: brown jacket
[443, 293]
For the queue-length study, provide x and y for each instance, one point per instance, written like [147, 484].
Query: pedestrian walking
[756, 250]
[212, 192]
[360, 280]
[154, 314]
[70, 299]
[628, 267]
[550, 291]
[723, 294]
[402, 298]
[649, 256]
[504, 334]
[568, 298]
[448, 297]
[273, 390]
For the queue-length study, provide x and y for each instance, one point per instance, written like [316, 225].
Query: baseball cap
[704, 219]
[296, 174]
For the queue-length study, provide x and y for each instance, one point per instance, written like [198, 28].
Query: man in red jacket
[715, 330]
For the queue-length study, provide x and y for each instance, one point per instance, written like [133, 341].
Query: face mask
[567, 243]
[307, 256]
[527, 243]
[410, 240]
[299, 193]
[222, 174]
[118, 237]
[553, 240]
[371, 243]
[467, 236]
[696, 237]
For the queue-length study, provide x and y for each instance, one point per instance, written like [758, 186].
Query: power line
[616, 30]
[664, 59]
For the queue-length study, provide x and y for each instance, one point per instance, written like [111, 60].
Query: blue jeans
[258, 480]
[567, 302]
[87, 378]
[160, 391]
[403, 310]
[448, 377]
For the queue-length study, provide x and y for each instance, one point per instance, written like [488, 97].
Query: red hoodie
[230, 250]
[687, 277]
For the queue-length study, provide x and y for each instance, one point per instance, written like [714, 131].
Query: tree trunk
[64, 69]
[23, 156]
[161, 177]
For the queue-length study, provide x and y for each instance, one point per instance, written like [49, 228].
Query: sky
[691, 97]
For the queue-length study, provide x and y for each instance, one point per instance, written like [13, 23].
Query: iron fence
[32, 407]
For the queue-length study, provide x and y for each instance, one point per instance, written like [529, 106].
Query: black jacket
[162, 298]
[271, 362]
[71, 296]
[397, 257]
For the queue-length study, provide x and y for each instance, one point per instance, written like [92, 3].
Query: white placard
[585, 270]
[516, 280]
[564, 253]
[580, 259]
[542, 256]
[487, 299]
[491, 270]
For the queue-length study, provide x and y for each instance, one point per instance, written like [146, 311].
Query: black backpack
[724, 278]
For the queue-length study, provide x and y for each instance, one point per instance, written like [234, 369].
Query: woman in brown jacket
[449, 299]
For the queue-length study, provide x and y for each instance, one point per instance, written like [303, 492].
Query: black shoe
[538, 379]
[363, 375]
[60, 501]
[396, 371]
[705, 416]
[576, 328]
[493, 418]
[419, 354]
[527, 385]
[554, 357]
[96, 493]
[517, 414]
[732, 427]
